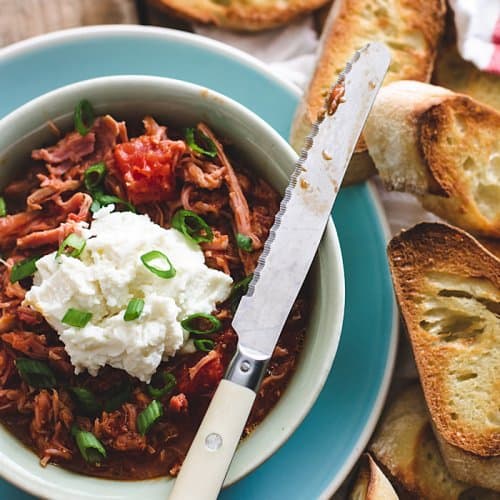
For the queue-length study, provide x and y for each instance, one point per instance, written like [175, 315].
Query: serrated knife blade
[282, 269]
[308, 201]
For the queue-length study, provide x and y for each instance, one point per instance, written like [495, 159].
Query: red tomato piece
[147, 166]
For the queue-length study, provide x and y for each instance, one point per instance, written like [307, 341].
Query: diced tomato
[147, 166]
[204, 376]
[179, 403]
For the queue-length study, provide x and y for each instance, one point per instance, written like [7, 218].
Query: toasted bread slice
[410, 28]
[470, 468]
[242, 15]
[404, 445]
[448, 288]
[442, 146]
[371, 484]
[406, 448]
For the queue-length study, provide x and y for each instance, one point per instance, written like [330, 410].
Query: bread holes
[469, 163]
[451, 325]
[458, 309]
[466, 376]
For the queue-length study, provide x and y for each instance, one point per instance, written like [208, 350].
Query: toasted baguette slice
[471, 468]
[406, 448]
[411, 30]
[242, 15]
[371, 484]
[452, 72]
[442, 146]
[448, 288]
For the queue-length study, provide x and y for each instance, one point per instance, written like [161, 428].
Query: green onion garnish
[23, 269]
[244, 242]
[205, 345]
[35, 373]
[207, 146]
[76, 318]
[192, 226]
[134, 309]
[114, 398]
[86, 400]
[149, 257]
[192, 322]
[3, 207]
[239, 289]
[91, 449]
[102, 200]
[83, 117]
[149, 416]
[72, 246]
[169, 382]
[94, 175]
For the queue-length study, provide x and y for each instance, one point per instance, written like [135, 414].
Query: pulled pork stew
[93, 425]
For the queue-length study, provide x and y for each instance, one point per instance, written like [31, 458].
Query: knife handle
[207, 462]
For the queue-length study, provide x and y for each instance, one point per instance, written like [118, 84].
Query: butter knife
[288, 253]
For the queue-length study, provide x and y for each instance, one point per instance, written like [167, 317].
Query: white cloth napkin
[478, 32]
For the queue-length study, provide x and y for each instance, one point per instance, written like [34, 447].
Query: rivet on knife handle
[288, 253]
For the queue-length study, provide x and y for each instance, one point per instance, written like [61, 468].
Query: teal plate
[317, 458]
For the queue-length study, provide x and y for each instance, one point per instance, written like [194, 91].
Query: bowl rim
[330, 243]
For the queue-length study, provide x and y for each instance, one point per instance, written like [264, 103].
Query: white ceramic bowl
[181, 103]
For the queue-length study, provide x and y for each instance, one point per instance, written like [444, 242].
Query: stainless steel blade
[306, 206]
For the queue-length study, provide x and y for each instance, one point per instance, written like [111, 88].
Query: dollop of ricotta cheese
[107, 275]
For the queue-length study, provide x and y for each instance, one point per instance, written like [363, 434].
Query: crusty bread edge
[468, 467]
[240, 17]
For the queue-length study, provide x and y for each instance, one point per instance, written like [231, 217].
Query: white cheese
[107, 275]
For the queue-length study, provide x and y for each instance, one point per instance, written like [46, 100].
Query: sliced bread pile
[410, 29]
[405, 447]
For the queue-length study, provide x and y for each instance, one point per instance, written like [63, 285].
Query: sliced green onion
[95, 206]
[102, 200]
[76, 318]
[244, 242]
[239, 289]
[3, 207]
[23, 269]
[134, 309]
[207, 148]
[72, 246]
[86, 400]
[192, 226]
[91, 449]
[149, 416]
[149, 257]
[115, 398]
[169, 382]
[190, 324]
[83, 117]
[205, 345]
[35, 373]
[94, 175]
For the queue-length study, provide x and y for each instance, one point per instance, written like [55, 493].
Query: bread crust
[470, 468]
[420, 257]
[249, 15]
[371, 484]
[441, 146]
[410, 28]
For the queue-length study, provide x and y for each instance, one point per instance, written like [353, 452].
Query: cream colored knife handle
[212, 450]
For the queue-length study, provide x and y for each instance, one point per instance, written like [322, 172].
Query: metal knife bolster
[304, 212]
